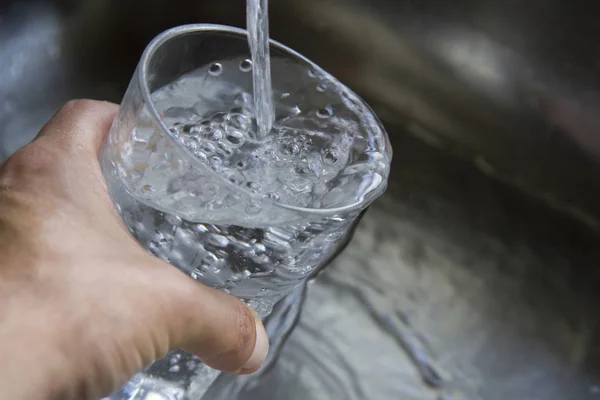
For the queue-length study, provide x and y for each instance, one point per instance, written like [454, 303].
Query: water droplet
[246, 65]
[325, 112]
[200, 228]
[215, 69]
[175, 359]
[136, 175]
[207, 149]
[191, 365]
[290, 148]
[300, 170]
[260, 248]
[225, 149]
[311, 73]
[174, 368]
[218, 240]
[329, 157]
[191, 129]
[253, 209]
[321, 88]
[263, 290]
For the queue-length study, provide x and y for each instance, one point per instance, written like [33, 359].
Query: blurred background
[476, 275]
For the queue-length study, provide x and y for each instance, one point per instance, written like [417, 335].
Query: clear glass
[194, 186]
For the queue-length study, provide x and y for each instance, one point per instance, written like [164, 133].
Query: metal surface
[475, 277]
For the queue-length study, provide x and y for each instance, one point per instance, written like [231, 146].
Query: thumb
[217, 327]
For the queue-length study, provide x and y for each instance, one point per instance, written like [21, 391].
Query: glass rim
[171, 33]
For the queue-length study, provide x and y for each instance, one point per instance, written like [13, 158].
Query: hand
[82, 306]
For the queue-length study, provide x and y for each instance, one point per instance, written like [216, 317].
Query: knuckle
[78, 105]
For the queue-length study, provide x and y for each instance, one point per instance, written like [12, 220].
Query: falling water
[258, 39]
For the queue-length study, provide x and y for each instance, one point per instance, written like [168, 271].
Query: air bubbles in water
[253, 209]
[329, 157]
[215, 69]
[246, 65]
[311, 73]
[325, 112]
[235, 138]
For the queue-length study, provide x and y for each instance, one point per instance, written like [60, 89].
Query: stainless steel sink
[476, 275]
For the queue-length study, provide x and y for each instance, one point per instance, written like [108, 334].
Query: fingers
[80, 124]
[217, 327]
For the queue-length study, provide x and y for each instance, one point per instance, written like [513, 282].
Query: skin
[82, 306]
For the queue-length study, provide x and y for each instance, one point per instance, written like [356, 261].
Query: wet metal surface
[476, 275]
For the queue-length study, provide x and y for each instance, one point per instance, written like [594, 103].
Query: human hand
[82, 305]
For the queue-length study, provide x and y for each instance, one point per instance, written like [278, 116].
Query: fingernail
[261, 348]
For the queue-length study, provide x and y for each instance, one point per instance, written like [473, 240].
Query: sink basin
[476, 275]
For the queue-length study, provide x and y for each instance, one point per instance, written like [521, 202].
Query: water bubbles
[211, 263]
[175, 359]
[239, 121]
[191, 129]
[218, 240]
[200, 228]
[253, 209]
[135, 175]
[329, 156]
[207, 148]
[213, 134]
[273, 196]
[321, 87]
[246, 65]
[312, 73]
[235, 138]
[301, 170]
[325, 112]
[313, 161]
[215, 69]
[226, 150]
[174, 368]
[300, 184]
[218, 118]
[290, 148]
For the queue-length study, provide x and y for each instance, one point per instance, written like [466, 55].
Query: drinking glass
[196, 188]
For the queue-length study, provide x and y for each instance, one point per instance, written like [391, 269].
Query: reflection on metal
[475, 276]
